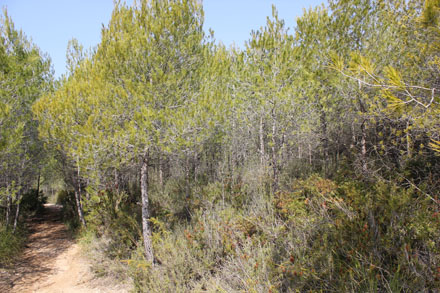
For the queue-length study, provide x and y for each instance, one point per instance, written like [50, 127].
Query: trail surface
[51, 261]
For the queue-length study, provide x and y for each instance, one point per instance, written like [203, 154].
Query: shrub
[66, 198]
[356, 237]
[314, 235]
[10, 244]
[33, 202]
[103, 265]
[113, 216]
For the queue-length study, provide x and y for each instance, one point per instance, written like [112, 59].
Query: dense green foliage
[24, 76]
[33, 201]
[306, 161]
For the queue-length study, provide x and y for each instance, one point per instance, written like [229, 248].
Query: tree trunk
[146, 232]
[187, 177]
[234, 147]
[363, 136]
[78, 199]
[160, 171]
[8, 208]
[38, 184]
[353, 136]
[324, 141]
[262, 151]
[408, 139]
[194, 166]
[364, 147]
[274, 155]
[79, 205]
[283, 157]
[17, 214]
[116, 183]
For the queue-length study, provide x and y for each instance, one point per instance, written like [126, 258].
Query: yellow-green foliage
[225, 135]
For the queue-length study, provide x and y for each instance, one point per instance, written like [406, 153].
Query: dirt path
[51, 261]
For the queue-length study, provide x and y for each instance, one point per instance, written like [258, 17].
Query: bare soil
[52, 261]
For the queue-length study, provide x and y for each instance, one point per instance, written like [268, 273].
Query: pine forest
[307, 160]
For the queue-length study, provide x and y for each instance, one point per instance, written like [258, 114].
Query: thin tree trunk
[8, 208]
[79, 206]
[228, 159]
[364, 147]
[116, 183]
[262, 151]
[78, 199]
[363, 136]
[148, 246]
[234, 147]
[17, 210]
[274, 155]
[17, 214]
[38, 184]
[187, 177]
[284, 156]
[353, 136]
[408, 139]
[194, 166]
[160, 171]
[325, 141]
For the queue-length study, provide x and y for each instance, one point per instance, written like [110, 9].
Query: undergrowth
[11, 244]
[66, 198]
[103, 265]
[314, 234]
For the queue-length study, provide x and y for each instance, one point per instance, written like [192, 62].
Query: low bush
[66, 198]
[350, 236]
[33, 201]
[96, 250]
[315, 234]
[10, 244]
[112, 215]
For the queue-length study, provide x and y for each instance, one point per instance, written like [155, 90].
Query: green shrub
[33, 202]
[362, 237]
[66, 198]
[10, 244]
[315, 235]
[112, 215]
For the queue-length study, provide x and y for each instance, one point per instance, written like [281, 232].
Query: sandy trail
[51, 262]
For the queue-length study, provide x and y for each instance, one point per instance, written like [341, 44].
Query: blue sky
[52, 23]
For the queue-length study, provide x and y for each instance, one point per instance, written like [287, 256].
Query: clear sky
[52, 23]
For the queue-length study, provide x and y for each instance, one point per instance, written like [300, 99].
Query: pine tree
[24, 76]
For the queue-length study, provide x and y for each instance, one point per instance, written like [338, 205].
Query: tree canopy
[306, 160]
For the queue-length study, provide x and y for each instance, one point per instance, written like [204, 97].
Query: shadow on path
[48, 238]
